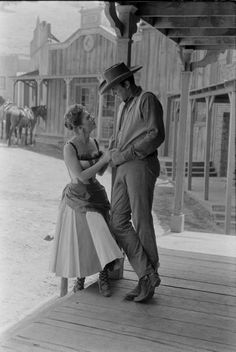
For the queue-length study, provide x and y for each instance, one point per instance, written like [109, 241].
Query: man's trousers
[131, 213]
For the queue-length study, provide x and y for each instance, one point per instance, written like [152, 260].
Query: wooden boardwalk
[194, 309]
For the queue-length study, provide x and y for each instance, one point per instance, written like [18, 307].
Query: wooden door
[87, 95]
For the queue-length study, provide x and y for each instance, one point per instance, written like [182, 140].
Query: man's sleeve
[152, 113]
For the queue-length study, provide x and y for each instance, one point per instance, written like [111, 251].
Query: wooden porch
[194, 309]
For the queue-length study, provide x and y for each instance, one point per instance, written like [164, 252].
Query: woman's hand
[106, 157]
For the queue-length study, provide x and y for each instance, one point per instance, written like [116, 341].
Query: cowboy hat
[116, 74]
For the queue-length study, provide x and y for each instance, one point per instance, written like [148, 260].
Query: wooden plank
[176, 291]
[190, 284]
[231, 161]
[145, 327]
[129, 315]
[209, 105]
[177, 219]
[95, 339]
[199, 256]
[20, 344]
[210, 41]
[210, 47]
[200, 32]
[191, 22]
[197, 276]
[190, 152]
[175, 298]
[188, 9]
[178, 267]
[23, 345]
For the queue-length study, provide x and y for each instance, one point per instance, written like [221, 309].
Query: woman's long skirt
[83, 244]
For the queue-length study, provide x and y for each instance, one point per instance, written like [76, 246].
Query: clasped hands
[107, 156]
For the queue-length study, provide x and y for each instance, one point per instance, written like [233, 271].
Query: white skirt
[83, 244]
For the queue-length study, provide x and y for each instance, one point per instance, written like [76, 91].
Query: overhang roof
[197, 25]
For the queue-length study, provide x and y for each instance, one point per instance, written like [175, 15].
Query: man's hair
[130, 79]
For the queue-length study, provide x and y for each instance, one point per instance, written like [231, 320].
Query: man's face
[121, 92]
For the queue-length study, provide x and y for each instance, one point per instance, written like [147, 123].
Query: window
[2, 82]
[108, 109]
[107, 128]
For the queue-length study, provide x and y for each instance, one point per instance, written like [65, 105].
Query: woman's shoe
[103, 283]
[79, 284]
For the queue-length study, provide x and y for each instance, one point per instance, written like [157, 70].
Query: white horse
[3, 109]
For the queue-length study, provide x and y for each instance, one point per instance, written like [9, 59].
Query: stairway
[218, 212]
[197, 168]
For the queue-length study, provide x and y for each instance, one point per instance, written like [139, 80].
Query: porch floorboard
[194, 309]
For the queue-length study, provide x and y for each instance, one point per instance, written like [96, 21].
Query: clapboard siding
[56, 107]
[75, 60]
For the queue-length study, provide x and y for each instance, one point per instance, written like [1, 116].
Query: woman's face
[88, 122]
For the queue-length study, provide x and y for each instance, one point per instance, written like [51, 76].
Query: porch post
[209, 105]
[64, 286]
[176, 125]
[14, 91]
[38, 85]
[67, 81]
[125, 26]
[190, 152]
[168, 120]
[177, 218]
[99, 125]
[231, 160]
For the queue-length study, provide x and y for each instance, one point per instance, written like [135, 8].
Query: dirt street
[30, 190]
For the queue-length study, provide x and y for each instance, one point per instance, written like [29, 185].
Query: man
[140, 131]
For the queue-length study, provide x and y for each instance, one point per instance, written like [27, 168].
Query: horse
[14, 115]
[38, 111]
[26, 123]
[23, 118]
[3, 109]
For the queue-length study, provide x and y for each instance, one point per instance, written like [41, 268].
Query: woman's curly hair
[73, 116]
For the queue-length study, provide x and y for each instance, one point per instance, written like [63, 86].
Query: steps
[197, 168]
[218, 212]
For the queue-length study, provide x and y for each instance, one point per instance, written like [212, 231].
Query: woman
[83, 243]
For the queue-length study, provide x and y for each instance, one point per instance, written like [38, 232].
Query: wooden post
[67, 81]
[177, 218]
[125, 26]
[168, 124]
[209, 105]
[190, 152]
[14, 92]
[38, 84]
[64, 286]
[99, 124]
[176, 124]
[231, 160]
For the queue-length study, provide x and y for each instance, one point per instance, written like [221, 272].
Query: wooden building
[69, 72]
[10, 65]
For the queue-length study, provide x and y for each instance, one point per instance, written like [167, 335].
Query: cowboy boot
[147, 289]
[155, 279]
[103, 283]
[133, 293]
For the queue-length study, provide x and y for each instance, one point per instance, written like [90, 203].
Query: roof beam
[199, 32]
[191, 22]
[210, 47]
[208, 41]
[182, 9]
